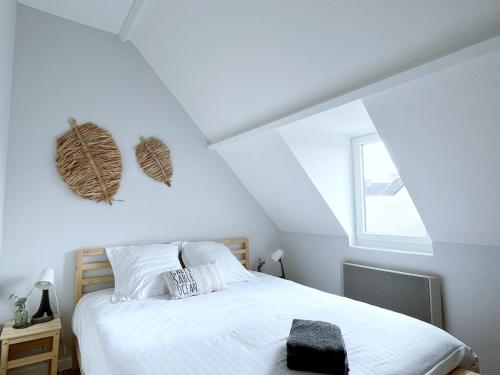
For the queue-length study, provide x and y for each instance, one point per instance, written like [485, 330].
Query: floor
[70, 372]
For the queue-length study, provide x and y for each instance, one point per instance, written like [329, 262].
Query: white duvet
[243, 330]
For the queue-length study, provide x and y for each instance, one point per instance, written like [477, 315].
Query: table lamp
[44, 283]
[276, 256]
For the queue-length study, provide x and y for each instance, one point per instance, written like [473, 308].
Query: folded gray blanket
[317, 347]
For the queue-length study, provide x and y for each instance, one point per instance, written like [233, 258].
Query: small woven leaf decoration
[154, 158]
[89, 162]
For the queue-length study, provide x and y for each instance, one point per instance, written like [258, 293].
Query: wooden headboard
[94, 261]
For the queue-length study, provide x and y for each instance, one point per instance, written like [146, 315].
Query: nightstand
[34, 344]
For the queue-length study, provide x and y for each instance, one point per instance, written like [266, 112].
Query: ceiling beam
[128, 24]
[419, 71]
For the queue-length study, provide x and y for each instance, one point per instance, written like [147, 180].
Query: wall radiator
[418, 296]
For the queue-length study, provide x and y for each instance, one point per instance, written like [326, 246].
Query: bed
[243, 329]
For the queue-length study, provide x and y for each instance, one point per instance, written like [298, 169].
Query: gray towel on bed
[317, 347]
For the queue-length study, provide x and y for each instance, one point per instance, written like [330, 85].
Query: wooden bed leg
[74, 356]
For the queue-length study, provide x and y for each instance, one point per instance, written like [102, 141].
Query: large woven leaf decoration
[154, 158]
[89, 162]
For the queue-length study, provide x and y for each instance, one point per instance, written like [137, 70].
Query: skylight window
[386, 217]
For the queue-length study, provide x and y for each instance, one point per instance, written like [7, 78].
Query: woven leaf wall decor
[89, 161]
[154, 158]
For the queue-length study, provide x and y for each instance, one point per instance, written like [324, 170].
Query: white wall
[469, 275]
[443, 132]
[7, 36]
[270, 171]
[325, 157]
[63, 69]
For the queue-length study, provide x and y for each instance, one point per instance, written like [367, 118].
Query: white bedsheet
[243, 330]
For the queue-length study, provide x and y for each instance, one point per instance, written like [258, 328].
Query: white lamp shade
[46, 279]
[277, 255]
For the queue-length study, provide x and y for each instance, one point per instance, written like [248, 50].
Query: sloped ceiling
[443, 132]
[349, 120]
[107, 15]
[236, 64]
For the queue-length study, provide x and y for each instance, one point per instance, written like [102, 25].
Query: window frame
[392, 242]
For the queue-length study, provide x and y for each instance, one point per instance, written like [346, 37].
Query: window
[386, 217]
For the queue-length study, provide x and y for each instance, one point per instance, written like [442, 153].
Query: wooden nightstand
[34, 344]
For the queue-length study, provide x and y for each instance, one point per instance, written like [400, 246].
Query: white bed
[243, 330]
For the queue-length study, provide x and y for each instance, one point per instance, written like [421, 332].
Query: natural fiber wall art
[89, 161]
[154, 158]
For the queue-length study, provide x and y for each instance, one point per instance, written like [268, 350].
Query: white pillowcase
[137, 269]
[198, 253]
[192, 281]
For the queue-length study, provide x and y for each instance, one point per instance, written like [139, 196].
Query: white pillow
[198, 253]
[137, 269]
[192, 281]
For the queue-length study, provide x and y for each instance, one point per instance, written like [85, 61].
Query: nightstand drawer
[29, 348]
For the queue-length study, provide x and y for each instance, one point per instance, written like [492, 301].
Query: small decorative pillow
[187, 282]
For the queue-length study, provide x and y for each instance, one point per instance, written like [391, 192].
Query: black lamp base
[282, 270]
[44, 313]
[43, 319]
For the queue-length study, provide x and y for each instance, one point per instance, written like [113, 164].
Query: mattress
[243, 330]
